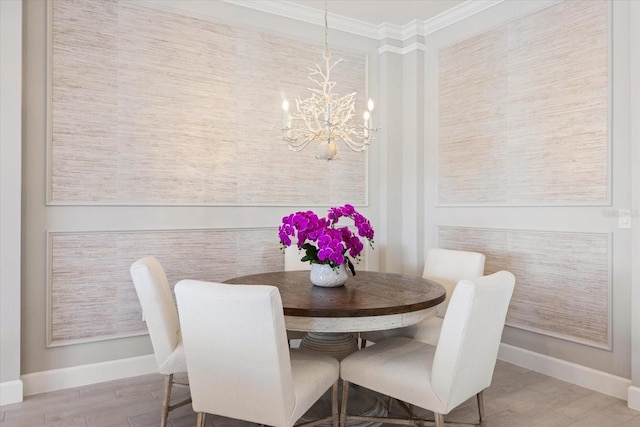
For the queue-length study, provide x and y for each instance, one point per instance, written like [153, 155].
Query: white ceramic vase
[328, 277]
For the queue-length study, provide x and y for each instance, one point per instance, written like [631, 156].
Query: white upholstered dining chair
[160, 313]
[292, 256]
[443, 266]
[238, 361]
[438, 378]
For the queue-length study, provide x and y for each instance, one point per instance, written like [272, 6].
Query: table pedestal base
[338, 345]
[361, 401]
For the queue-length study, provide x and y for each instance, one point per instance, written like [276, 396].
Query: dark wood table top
[365, 294]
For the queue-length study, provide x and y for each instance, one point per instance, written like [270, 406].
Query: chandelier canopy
[325, 117]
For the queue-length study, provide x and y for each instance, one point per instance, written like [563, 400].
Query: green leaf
[311, 253]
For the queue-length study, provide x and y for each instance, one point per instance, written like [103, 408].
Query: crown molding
[380, 32]
[310, 15]
[401, 50]
[451, 16]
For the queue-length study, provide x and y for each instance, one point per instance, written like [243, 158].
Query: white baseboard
[573, 373]
[634, 397]
[10, 392]
[57, 379]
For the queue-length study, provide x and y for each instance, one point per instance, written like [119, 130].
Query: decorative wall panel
[523, 111]
[150, 107]
[90, 293]
[562, 279]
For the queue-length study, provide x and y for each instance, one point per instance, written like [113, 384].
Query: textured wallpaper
[90, 293]
[562, 279]
[150, 107]
[523, 111]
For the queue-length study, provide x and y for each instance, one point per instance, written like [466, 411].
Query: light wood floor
[517, 397]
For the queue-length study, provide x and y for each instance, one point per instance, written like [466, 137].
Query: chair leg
[343, 409]
[480, 407]
[201, 419]
[439, 419]
[334, 404]
[168, 382]
[166, 399]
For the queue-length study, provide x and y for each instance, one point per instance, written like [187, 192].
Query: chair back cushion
[159, 310]
[448, 267]
[470, 337]
[236, 348]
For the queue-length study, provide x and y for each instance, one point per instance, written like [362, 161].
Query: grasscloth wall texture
[90, 292]
[523, 111]
[562, 279]
[150, 107]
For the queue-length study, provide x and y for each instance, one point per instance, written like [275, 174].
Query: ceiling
[377, 12]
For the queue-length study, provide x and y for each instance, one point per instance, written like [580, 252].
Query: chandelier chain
[327, 53]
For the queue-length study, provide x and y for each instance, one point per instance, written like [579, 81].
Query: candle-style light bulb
[366, 116]
[370, 105]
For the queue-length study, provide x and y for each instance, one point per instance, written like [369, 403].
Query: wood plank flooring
[517, 397]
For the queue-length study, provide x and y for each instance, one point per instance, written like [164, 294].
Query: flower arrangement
[323, 241]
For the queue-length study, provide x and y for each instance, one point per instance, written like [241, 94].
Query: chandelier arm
[295, 145]
[300, 147]
[353, 145]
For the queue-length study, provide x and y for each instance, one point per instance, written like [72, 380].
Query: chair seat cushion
[377, 336]
[312, 374]
[175, 363]
[398, 367]
[427, 331]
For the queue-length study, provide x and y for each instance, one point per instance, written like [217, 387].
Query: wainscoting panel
[562, 279]
[90, 293]
[152, 107]
[523, 111]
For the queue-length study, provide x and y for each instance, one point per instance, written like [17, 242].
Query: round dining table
[369, 301]
[332, 317]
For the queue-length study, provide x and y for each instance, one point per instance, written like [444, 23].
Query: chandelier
[325, 117]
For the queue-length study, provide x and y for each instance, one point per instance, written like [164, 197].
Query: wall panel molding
[90, 295]
[524, 112]
[563, 279]
[153, 107]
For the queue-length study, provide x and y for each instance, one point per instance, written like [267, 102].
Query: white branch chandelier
[325, 117]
